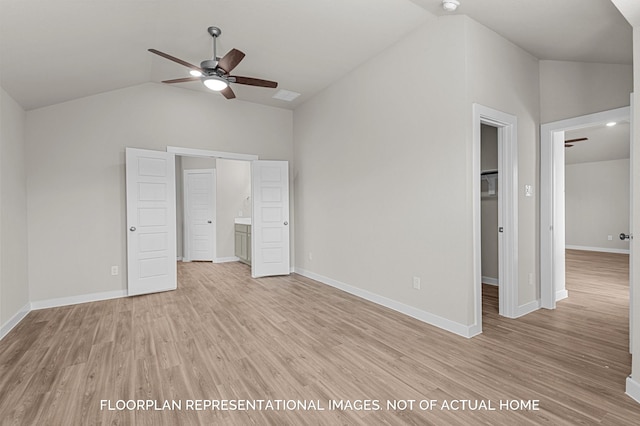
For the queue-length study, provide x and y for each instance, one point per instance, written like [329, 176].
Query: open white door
[151, 221]
[270, 222]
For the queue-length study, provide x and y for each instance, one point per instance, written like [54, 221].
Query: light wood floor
[222, 336]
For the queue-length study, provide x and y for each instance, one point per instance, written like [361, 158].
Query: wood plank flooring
[224, 336]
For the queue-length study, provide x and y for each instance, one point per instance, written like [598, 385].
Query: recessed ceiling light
[286, 95]
[450, 5]
[611, 124]
[195, 73]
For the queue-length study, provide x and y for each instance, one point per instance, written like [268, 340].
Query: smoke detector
[450, 5]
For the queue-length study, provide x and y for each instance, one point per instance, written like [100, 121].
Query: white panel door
[151, 221]
[270, 222]
[199, 202]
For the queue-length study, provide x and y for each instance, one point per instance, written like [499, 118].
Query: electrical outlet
[610, 237]
[530, 278]
[310, 256]
[114, 270]
[416, 283]
[240, 213]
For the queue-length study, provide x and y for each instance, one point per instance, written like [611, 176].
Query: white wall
[383, 172]
[597, 204]
[75, 164]
[381, 181]
[14, 289]
[572, 89]
[504, 77]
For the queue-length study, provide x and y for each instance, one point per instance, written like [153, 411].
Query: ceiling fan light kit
[214, 73]
[215, 83]
[450, 5]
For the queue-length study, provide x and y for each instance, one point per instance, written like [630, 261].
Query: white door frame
[507, 208]
[186, 236]
[552, 243]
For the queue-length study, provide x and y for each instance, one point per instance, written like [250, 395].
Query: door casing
[507, 211]
[552, 237]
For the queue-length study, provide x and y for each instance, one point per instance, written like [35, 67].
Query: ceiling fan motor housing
[209, 65]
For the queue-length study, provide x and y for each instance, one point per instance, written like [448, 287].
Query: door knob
[624, 236]
[133, 228]
[208, 221]
[286, 223]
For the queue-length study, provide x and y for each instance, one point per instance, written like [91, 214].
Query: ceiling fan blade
[174, 59]
[576, 140]
[228, 93]
[254, 81]
[182, 80]
[230, 60]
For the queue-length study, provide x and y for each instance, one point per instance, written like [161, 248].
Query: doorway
[490, 194]
[230, 200]
[507, 205]
[265, 199]
[552, 199]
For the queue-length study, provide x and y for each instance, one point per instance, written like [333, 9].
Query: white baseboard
[226, 259]
[74, 300]
[429, 318]
[14, 320]
[179, 259]
[600, 249]
[633, 388]
[561, 294]
[490, 281]
[527, 308]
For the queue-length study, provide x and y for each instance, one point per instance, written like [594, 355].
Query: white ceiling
[52, 51]
[603, 144]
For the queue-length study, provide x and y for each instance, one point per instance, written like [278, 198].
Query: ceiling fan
[214, 73]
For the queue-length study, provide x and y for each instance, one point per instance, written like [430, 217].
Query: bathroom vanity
[243, 239]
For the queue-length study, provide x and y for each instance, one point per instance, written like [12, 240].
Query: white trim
[600, 249]
[179, 259]
[14, 320]
[562, 294]
[426, 317]
[507, 209]
[490, 280]
[633, 388]
[191, 152]
[527, 308]
[226, 259]
[74, 300]
[552, 242]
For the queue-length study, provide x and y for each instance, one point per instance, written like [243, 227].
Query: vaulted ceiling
[52, 51]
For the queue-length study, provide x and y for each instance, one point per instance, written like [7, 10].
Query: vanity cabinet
[243, 243]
